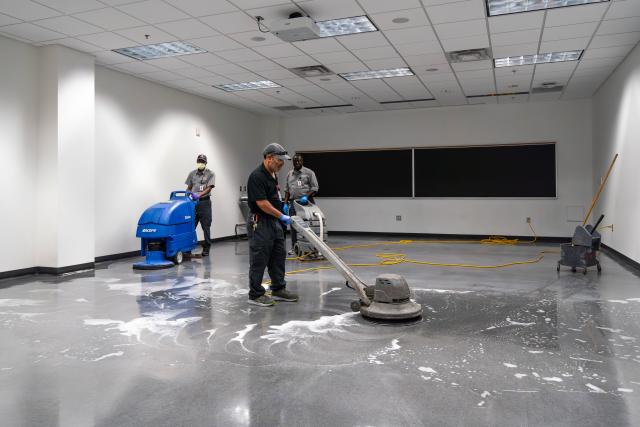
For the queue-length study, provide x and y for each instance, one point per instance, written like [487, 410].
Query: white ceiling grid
[227, 30]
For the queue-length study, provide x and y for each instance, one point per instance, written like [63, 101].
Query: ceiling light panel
[542, 58]
[235, 87]
[345, 26]
[377, 74]
[160, 50]
[504, 7]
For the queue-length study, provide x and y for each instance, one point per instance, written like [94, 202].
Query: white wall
[617, 130]
[567, 123]
[18, 162]
[146, 144]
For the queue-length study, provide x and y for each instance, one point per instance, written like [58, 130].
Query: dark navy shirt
[263, 186]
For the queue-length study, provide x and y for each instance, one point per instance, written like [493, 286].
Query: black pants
[266, 250]
[203, 216]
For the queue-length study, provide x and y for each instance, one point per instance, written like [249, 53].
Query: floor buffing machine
[167, 232]
[388, 299]
[314, 220]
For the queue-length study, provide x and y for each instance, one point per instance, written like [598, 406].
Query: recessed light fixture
[377, 74]
[234, 87]
[541, 58]
[312, 71]
[160, 50]
[503, 7]
[468, 55]
[400, 20]
[345, 26]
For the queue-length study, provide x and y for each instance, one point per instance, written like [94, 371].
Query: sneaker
[205, 252]
[284, 295]
[291, 252]
[262, 301]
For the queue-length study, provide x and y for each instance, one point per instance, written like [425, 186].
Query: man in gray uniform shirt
[201, 181]
[301, 185]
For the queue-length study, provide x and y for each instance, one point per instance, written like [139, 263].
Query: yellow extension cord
[398, 258]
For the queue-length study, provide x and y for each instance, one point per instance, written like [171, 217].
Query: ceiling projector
[296, 28]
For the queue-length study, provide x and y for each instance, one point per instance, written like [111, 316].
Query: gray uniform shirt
[199, 180]
[300, 183]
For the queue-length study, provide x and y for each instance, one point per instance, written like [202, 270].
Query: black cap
[276, 149]
[201, 158]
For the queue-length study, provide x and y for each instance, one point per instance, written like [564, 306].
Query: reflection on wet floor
[524, 346]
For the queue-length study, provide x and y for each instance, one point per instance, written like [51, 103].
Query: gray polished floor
[518, 346]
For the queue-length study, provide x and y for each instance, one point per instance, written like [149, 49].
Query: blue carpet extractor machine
[167, 232]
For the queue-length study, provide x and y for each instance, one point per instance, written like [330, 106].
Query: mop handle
[597, 224]
[595, 199]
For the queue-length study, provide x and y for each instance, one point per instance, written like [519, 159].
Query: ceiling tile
[563, 45]
[375, 53]
[594, 63]
[108, 57]
[461, 29]
[193, 72]
[544, 97]
[608, 52]
[334, 57]
[26, 10]
[423, 48]
[324, 45]
[68, 25]
[226, 69]
[296, 61]
[363, 41]
[385, 64]
[255, 38]
[75, 44]
[7, 20]
[516, 22]
[515, 37]
[72, 6]
[245, 77]
[426, 60]
[515, 50]
[261, 65]
[234, 22]
[184, 83]
[410, 35]
[483, 100]
[558, 68]
[473, 65]
[162, 76]
[513, 71]
[203, 7]
[139, 35]
[213, 79]
[216, 43]
[31, 32]
[348, 67]
[279, 73]
[108, 40]
[623, 9]
[282, 50]
[575, 14]
[109, 19]
[409, 87]
[275, 13]
[512, 99]
[153, 11]
[463, 43]
[616, 26]
[172, 63]
[455, 12]
[377, 89]
[384, 21]
[322, 10]
[486, 74]
[203, 59]
[187, 29]
[612, 40]
[238, 55]
[377, 6]
[569, 31]
[136, 67]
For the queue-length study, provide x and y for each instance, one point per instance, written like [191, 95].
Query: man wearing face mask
[201, 181]
[301, 185]
[265, 231]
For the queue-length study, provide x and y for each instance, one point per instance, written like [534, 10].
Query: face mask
[201, 166]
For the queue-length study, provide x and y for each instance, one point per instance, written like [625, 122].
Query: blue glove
[285, 208]
[195, 196]
[303, 200]
[285, 219]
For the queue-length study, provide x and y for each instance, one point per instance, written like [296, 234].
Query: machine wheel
[599, 267]
[296, 250]
[355, 306]
[178, 258]
[573, 269]
[558, 269]
[584, 270]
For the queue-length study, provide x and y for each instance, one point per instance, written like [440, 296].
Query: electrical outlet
[398, 217]
[528, 220]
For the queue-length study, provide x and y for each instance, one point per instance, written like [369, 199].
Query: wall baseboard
[623, 260]
[56, 271]
[446, 236]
